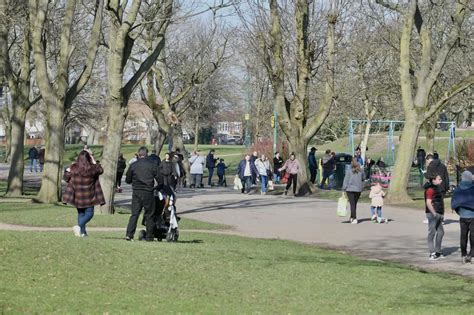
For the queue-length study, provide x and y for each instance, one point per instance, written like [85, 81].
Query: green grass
[210, 274]
[64, 216]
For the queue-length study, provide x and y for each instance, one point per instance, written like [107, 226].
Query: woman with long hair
[292, 167]
[83, 189]
[352, 185]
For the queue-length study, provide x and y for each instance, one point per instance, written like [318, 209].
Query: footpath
[313, 221]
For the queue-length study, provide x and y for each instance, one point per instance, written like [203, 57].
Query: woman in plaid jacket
[83, 189]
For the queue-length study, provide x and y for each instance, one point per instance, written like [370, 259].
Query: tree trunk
[401, 172]
[16, 139]
[160, 141]
[365, 140]
[116, 120]
[8, 142]
[178, 143]
[50, 190]
[298, 146]
[430, 129]
[196, 134]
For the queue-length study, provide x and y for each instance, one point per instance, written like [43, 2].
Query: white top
[247, 171]
[197, 164]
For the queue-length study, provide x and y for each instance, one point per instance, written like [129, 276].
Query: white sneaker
[373, 218]
[77, 230]
[354, 221]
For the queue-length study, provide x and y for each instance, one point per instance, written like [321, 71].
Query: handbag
[285, 178]
[342, 206]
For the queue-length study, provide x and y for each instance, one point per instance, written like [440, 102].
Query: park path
[312, 221]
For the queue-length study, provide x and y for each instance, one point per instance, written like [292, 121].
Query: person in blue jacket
[463, 203]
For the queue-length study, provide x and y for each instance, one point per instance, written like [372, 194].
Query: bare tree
[417, 82]
[294, 116]
[124, 28]
[59, 90]
[17, 69]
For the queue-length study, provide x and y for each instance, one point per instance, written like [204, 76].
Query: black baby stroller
[166, 218]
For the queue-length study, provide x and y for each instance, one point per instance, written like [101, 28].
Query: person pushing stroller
[166, 226]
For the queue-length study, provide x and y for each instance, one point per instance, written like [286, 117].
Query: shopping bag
[270, 185]
[285, 177]
[237, 183]
[342, 206]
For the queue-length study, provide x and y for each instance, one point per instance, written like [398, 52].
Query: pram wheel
[172, 236]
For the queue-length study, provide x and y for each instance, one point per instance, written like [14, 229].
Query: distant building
[231, 128]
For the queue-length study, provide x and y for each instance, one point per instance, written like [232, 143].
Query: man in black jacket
[435, 166]
[142, 175]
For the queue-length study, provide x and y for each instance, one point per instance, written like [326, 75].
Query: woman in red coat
[83, 189]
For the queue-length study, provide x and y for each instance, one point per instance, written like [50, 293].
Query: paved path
[313, 221]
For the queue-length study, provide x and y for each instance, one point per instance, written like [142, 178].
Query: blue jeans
[33, 164]
[84, 215]
[276, 178]
[209, 179]
[264, 182]
[326, 175]
[379, 211]
[246, 184]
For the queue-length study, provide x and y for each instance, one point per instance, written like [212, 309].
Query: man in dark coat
[435, 166]
[154, 158]
[246, 170]
[210, 165]
[313, 165]
[253, 158]
[142, 175]
[33, 156]
[420, 158]
[121, 165]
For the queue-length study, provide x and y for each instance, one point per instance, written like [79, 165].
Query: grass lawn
[63, 216]
[210, 274]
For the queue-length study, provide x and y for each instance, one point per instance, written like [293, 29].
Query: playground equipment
[392, 124]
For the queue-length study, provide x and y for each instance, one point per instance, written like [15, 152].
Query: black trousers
[142, 200]
[313, 170]
[118, 181]
[292, 179]
[353, 197]
[467, 229]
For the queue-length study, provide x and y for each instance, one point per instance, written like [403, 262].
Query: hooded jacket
[436, 167]
[463, 200]
[376, 194]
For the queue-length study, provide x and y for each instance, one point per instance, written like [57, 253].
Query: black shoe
[286, 192]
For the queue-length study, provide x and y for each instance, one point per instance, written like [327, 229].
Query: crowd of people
[145, 172]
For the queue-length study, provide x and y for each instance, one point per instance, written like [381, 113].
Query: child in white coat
[376, 195]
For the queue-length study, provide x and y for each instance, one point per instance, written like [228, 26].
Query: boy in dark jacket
[221, 171]
[434, 209]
